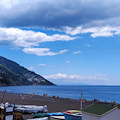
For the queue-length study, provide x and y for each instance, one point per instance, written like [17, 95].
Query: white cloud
[56, 76]
[88, 45]
[42, 64]
[31, 68]
[106, 31]
[74, 79]
[73, 31]
[42, 51]
[77, 52]
[8, 4]
[24, 38]
[67, 61]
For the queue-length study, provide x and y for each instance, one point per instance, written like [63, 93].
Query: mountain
[12, 74]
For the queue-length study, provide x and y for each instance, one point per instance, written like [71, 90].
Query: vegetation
[12, 73]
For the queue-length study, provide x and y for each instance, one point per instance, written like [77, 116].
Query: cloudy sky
[67, 42]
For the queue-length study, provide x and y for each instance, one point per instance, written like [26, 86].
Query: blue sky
[67, 42]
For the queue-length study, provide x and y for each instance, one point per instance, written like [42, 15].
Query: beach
[54, 103]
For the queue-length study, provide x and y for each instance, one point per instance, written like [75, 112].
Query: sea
[90, 92]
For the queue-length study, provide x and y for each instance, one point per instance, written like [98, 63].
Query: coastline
[73, 92]
[54, 103]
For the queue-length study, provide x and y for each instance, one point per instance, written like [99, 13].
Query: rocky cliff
[12, 74]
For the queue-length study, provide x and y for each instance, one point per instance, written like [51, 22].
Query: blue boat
[73, 115]
[55, 114]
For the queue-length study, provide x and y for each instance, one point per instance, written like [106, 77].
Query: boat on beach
[31, 108]
[50, 115]
[45, 118]
[73, 115]
[57, 118]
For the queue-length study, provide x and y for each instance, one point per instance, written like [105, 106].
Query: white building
[101, 112]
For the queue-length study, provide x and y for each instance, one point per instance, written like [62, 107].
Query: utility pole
[81, 101]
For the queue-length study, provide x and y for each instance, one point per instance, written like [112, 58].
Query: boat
[73, 115]
[55, 114]
[45, 118]
[57, 118]
[40, 115]
[31, 108]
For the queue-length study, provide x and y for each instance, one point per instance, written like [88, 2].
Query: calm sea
[108, 93]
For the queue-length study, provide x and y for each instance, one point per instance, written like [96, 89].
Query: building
[101, 112]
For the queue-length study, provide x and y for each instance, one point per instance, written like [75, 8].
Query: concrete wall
[89, 117]
[113, 115]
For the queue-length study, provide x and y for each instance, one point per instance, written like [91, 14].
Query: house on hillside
[101, 112]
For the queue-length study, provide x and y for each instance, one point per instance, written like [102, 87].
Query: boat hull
[72, 117]
[57, 118]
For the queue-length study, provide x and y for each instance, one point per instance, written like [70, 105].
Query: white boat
[57, 118]
[31, 108]
[45, 118]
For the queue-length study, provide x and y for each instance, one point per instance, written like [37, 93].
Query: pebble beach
[54, 103]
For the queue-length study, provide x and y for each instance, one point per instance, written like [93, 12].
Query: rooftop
[99, 109]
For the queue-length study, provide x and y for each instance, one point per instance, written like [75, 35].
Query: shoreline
[54, 103]
[62, 91]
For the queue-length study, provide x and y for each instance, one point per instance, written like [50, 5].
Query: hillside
[12, 74]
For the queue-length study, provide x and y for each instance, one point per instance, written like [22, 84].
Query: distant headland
[12, 74]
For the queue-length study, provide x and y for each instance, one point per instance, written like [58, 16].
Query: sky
[72, 42]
